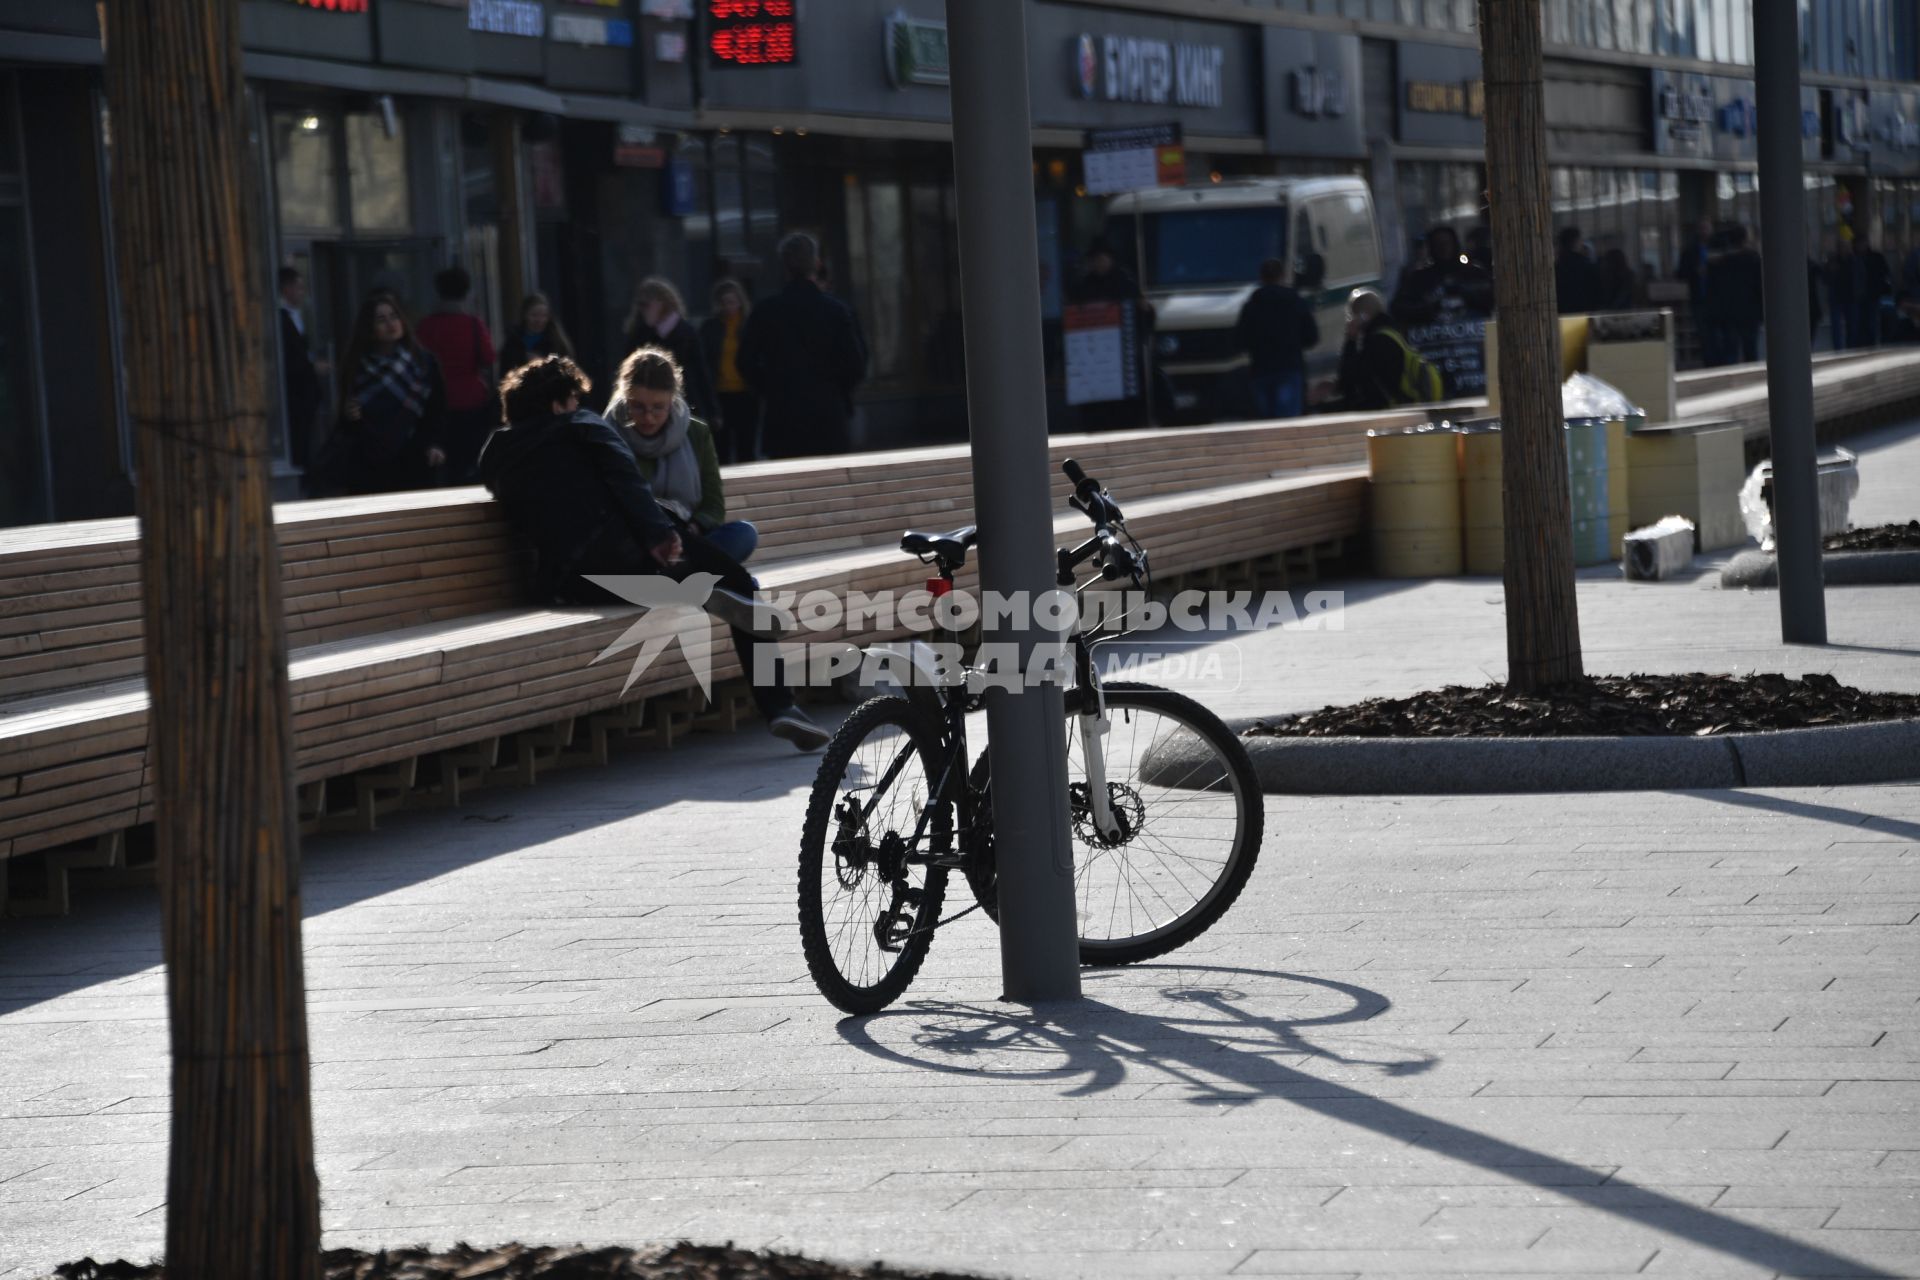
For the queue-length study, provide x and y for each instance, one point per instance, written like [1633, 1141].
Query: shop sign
[1456, 345]
[584, 29]
[671, 10]
[1313, 101]
[1317, 92]
[1896, 133]
[1443, 97]
[334, 6]
[506, 17]
[678, 194]
[635, 146]
[1684, 117]
[1134, 159]
[1103, 359]
[752, 33]
[916, 51]
[1113, 68]
[1448, 98]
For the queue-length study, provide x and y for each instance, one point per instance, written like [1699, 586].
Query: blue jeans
[1279, 395]
[736, 539]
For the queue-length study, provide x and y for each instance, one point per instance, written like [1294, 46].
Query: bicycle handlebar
[1116, 560]
[1090, 498]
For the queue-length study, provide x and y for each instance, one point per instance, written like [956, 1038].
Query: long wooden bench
[417, 663]
[415, 660]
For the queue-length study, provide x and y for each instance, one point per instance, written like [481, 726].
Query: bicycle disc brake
[1129, 811]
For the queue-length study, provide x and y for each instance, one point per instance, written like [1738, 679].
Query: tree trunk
[242, 1201]
[1543, 621]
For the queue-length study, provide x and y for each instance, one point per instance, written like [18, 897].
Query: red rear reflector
[938, 587]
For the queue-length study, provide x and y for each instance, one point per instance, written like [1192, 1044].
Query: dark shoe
[797, 727]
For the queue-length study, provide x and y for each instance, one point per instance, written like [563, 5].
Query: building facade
[577, 146]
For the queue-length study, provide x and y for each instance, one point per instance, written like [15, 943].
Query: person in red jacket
[461, 344]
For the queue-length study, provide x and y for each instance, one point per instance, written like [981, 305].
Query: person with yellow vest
[1379, 369]
[720, 339]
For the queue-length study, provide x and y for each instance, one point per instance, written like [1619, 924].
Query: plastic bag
[1585, 396]
[1837, 478]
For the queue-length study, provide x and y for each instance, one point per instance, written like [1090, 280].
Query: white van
[1201, 250]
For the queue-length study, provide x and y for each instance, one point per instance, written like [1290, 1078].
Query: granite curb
[1831, 755]
[1838, 568]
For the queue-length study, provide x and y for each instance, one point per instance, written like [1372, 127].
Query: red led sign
[752, 33]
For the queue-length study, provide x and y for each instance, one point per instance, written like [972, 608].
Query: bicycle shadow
[1237, 1055]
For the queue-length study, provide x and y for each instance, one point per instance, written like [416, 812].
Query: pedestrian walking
[571, 485]
[659, 319]
[538, 334]
[720, 335]
[1876, 284]
[301, 376]
[393, 407]
[802, 353]
[460, 343]
[1736, 298]
[1276, 329]
[1846, 281]
[675, 450]
[1576, 281]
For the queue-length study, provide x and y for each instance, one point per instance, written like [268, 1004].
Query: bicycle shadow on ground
[1229, 1053]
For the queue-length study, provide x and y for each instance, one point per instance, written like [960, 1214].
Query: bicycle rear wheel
[868, 896]
[1191, 817]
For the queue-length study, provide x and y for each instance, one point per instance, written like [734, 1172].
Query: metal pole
[1796, 492]
[1007, 410]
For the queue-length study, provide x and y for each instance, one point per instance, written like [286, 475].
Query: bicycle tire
[1224, 888]
[830, 950]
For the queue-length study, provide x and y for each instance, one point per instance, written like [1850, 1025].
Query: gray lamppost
[1796, 492]
[1007, 413]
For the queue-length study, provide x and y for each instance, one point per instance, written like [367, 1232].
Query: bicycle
[1165, 811]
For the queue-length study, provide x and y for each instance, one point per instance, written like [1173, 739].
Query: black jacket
[1371, 368]
[1276, 328]
[1736, 289]
[802, 352]
[683, 344]
[571, 484]
[1576, 283]
[302, 385]
[1425, 291]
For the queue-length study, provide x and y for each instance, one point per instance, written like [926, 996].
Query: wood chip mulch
[536, 1262]
[1605, 706]
[1882, 537]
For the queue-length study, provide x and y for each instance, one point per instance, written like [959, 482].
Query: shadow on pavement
[114, 932]
[1819, 812]
[1225, 1053]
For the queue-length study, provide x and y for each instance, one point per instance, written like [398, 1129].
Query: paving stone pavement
[1668, 1034]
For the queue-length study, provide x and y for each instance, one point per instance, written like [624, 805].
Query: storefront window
[306, 169]
[377, 184]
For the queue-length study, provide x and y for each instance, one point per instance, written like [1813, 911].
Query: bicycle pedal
[893, 928]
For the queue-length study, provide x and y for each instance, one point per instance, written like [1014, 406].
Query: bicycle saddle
[949, 550]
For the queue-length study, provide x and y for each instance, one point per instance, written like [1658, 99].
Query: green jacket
[712, 510]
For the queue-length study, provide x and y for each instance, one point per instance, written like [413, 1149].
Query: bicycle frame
[954, 701]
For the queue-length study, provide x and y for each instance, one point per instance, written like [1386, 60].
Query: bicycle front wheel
[1188, 808]
[869, 893]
